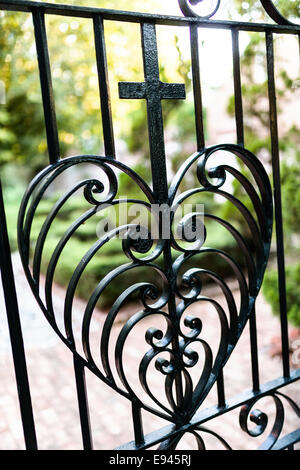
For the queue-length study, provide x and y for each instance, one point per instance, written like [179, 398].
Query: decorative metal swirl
[175, 349]
[186, 7]
[261, 419]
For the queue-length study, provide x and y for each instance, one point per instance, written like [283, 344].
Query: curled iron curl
[186, 7]
[191, 230]
[261, 419]
[248, 158]
[132, 243]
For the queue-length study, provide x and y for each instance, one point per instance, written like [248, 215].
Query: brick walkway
[53, 388]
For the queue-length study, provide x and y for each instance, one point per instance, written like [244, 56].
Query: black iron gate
[180, 275]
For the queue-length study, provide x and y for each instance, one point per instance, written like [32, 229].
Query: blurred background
[23, 153]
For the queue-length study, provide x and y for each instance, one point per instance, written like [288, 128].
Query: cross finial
[153, 90]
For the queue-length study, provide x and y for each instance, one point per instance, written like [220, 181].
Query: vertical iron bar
[254, 353]
[137, 424]
[221, 390]
[83, 403]
[15, 332]
[46, 84]
[197, 87]
[277, 203]
[107, 124]
[238, 102]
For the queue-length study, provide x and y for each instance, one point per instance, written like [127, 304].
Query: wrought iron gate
[180, 276]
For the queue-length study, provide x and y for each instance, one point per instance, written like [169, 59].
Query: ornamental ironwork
[173, 350]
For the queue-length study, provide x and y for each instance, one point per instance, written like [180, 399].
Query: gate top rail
[133, 17]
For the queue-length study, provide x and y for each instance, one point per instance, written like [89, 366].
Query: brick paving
[53, 388]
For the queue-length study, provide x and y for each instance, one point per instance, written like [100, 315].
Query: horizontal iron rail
[207, 414]
[128, 16]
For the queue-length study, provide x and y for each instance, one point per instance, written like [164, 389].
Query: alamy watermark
[156, 221]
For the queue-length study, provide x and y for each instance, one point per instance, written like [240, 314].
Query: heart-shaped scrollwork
[172, 347]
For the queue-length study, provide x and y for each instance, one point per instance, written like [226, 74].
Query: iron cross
[153, 90]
